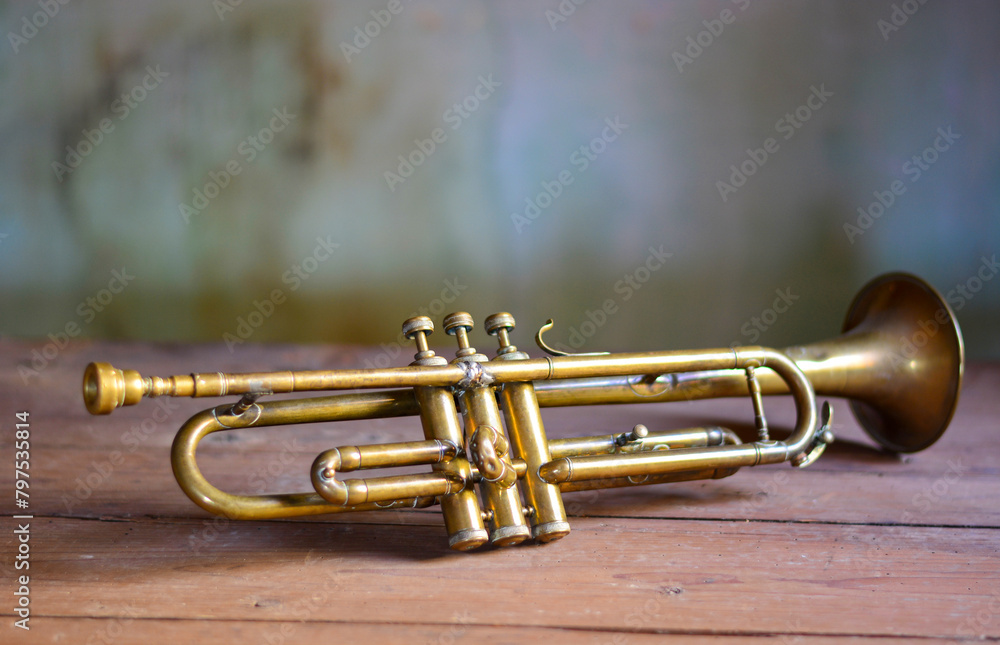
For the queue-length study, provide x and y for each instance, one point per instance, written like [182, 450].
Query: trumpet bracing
[496, 475]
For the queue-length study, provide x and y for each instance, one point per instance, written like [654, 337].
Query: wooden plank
[682, 576]
[130, 630]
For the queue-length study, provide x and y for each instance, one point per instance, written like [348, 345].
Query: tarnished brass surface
[899, 360]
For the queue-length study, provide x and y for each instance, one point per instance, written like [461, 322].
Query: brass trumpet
[900, 361]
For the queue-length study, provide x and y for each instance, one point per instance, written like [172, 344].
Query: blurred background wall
[653, 175]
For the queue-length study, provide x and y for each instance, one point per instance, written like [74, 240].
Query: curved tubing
[338, 496]
[250, 507]
[383, 489]
[719, 457]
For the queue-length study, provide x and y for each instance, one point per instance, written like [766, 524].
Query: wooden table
[862, 543]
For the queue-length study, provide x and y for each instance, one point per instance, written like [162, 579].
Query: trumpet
[496, 475]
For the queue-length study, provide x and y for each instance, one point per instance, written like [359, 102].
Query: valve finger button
[460, 320]
[418, 329]
[459, 324]
[499, 325]
[418, 324]
[499, 321]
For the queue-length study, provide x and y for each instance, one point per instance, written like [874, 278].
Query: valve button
[412, 326]
[456, 321]
[498, 321]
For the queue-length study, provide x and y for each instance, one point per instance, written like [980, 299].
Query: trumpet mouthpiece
[106, 388]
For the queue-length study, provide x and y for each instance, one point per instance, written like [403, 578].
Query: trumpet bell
[921, 373]
[899, 360]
